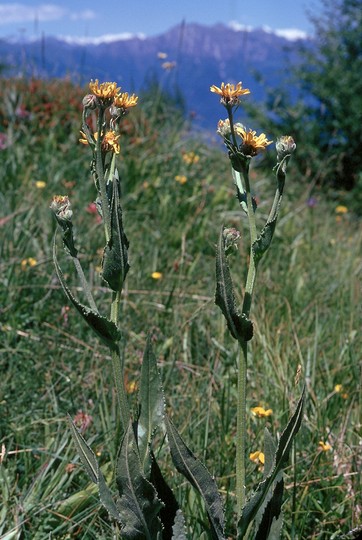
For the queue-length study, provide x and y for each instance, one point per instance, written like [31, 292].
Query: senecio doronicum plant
[143, 506]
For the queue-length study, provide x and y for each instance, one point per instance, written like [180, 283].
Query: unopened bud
[285, 146]
[90, 102]
[62, 208]
[231, 237]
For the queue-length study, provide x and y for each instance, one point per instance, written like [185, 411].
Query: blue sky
[91, 18]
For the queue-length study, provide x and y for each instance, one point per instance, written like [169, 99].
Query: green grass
[306, 311]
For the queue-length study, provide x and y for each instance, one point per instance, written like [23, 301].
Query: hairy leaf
[198, 476]
[281, 457]
[151, 402]
[105, 329]
[179, 529]
[240, 327]
[262, 243]
[138, 505]
[115, 263]
[90, 463]
[165, 493]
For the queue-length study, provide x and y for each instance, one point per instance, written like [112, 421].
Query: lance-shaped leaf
[262, 243]
[103, 327]
[198, 476]
[115, 257]
[151, 401]
[269, 518]
[281, 457]
[138, 505]
[179, 529]
[91, 466]
[240, 327]
[168, 513]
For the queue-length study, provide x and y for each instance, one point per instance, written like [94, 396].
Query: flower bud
[62, 208]
[231, 237]
[90, 102]
[285, 146]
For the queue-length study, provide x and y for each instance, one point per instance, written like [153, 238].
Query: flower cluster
[103, 96]
[251, 143]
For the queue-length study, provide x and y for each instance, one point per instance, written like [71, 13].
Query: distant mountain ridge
[190, 57]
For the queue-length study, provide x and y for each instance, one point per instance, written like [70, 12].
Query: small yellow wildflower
[325, 447]
[181, 179]
[260, 412]
[110, 142]
[257, 457]
[131, 387]
[229, 93]
[340, 209]
[125, 101]
[105, 90]
[30, 261]
[190, 157]
[338, 388]
[156, 275]
[168, 65]
[40, 184]
[252, 143]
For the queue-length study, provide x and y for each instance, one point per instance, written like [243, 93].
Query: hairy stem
[241, 429]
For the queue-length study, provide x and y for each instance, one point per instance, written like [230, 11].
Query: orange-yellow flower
[105, 90]
[229, 93]
[40, 184]
[156, 275]
[252, 144]
[84, 139]
[257, 457]
[340, 209]
[260, 412]
[125, 101]
[181, 178]
[190, 157]
[325, 447]
[110, 142]
[30, 261]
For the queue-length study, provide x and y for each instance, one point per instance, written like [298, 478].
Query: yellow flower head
[340, 209]
[40, 184]
[125, 101]
[105, 90]
[181, 178]
[110, 142]
[252, 144]
[156, 275]
[257, 457]
[325, 447]
[190, 157]
[30, 261]
[260, 412]
[229, 93]
[338, 388]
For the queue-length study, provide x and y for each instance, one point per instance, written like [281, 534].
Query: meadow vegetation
[176, 194]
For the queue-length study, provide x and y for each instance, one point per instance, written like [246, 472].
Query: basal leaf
[106, 330]
[86, 454]
[281, 457]
[240, 327]
[138, 505]
[151, 403]
[115, 263]
[198, 476]
[165, 493]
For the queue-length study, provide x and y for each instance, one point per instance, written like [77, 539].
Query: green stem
[101, 181]
[241, 429]
[117, 366]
